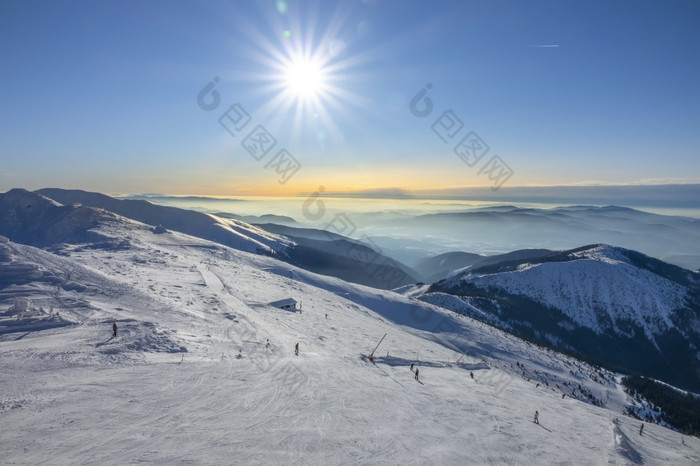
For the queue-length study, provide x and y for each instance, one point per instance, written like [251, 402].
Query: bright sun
[304, 78]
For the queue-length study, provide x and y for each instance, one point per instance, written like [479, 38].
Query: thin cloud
[546, 46]
[378, 193]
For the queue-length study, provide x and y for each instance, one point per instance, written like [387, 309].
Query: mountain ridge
[230, 232]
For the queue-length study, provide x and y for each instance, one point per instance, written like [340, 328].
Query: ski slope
[190, 378]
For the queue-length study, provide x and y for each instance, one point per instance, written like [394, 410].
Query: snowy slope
[599, 289]
[343, 258]
[172, 389]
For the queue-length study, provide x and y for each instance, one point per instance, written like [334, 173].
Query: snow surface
[191, 379]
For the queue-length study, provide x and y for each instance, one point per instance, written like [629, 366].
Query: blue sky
[104, 95]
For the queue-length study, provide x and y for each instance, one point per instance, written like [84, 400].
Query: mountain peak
[31, 218]
[601, 252]
[21, 198]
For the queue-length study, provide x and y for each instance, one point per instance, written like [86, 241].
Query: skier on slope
[412, 366]
[296, 349]
[416, 373]
[114, 329]
[537, 417]
[641, 429]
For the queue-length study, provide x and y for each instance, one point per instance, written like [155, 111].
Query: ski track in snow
[171, 389]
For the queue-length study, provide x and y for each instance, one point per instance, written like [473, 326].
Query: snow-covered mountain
[606, 303]
[327, 254]
[226, 231]
[34, 219]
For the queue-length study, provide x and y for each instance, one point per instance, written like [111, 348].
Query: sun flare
[304, 78]
[309, 75]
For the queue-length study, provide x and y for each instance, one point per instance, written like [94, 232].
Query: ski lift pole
[460, 358]
[371, 355]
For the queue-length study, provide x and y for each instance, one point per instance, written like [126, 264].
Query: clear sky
[105, 95]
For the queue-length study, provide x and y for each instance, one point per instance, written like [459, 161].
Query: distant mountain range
[607, 304]
[507, 228]
[332, 254]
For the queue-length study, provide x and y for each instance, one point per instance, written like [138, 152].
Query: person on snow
[412, 366]
[416, 373]
[537, 417]
[114, 329]
[641, 429]
[296, 349]
[471, 374]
